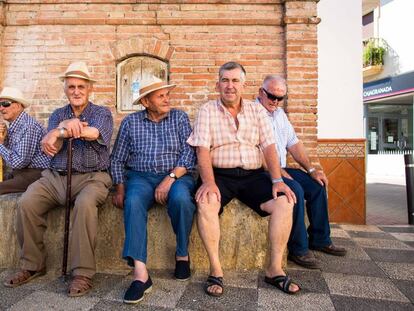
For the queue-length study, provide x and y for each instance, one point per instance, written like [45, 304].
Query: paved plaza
[377, 274]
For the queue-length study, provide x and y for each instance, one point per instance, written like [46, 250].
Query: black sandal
[211, 281]
[285, 286]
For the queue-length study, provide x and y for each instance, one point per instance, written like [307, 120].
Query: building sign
[389, 87]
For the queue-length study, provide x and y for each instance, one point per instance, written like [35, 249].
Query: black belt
[237, 171]
[64, 173]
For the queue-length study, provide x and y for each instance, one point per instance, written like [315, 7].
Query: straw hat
[14, 95]
[150, 85]
[77, 70]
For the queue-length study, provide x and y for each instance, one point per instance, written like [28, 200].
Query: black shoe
[182, 270]
[308, 260]
[331, 250]
[137, 289]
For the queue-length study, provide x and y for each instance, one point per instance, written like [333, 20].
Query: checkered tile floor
[377, 274]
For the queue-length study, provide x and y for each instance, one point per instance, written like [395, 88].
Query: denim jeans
[139, 198]
[306, 188]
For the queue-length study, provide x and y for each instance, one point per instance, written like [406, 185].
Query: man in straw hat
[151, 162]
[91, 127]
[20, 143]
[230, 134]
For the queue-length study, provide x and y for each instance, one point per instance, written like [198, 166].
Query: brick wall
[269, 36]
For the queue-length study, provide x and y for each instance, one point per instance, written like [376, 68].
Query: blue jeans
[306, 188]
[139, 197]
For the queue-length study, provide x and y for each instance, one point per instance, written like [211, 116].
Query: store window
[130, 73]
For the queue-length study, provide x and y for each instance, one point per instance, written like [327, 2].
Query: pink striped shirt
[230, 147]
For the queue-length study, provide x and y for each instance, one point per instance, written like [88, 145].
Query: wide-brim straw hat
[15, 95]
[77, 70]
[150, 85]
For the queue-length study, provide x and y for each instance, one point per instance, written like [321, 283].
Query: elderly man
[20, 144]
[151, 162]
[229, 134]
[307, 185]
[91, 127]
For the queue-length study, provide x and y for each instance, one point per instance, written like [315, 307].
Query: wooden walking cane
[67, 207]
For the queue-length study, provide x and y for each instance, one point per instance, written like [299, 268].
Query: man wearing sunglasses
[309, 185]
[20, 143]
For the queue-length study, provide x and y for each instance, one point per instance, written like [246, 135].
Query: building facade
[185, 42]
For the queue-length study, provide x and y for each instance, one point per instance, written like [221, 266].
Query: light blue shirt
[284, 133]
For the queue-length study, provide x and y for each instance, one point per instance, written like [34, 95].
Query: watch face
[172, 175]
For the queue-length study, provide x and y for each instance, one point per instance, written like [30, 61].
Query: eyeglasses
[273, 97]
[5, 103]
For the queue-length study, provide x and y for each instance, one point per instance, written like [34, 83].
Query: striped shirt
[284, 133]
[21, 148]
[146, 146]
[88, 156]
[231, 146]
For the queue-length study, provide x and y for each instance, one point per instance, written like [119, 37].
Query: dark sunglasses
[5, 103]
[273, 97]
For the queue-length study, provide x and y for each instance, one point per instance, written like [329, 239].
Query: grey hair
[230, 66]
[277, 78]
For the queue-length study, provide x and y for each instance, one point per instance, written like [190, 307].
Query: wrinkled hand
[320, 177]
[3, 132]
[118, 198]
[162, 190]
[48, 144]
[73, 127]
[282, 187]
[206, 192]
[285, 174]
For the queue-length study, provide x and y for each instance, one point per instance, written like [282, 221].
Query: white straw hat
[14, 95]
[150, 85]
[77, 70]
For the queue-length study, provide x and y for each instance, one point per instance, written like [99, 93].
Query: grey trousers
[89, 190]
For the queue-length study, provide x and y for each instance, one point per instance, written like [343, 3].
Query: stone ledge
[243, 238]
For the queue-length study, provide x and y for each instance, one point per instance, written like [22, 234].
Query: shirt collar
[271, 114]
[144, 115]
[86, 113]
[15, 124]
[223, 108]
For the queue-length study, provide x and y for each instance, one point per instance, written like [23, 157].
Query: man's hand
[282, 187]
[50, 143]
[206, 191]
[73, 127]
[320, 177]
[285, 174]
[3, 132]
[162, 190]
[118, 198]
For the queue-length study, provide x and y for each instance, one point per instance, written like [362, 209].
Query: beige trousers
[88, 191]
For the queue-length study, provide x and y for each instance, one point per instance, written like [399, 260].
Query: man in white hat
[20, 143]
[91, 127]
[151, 162]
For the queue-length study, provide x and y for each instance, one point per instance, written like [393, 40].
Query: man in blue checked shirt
[20, 143]
[308, 184]
[151, 162]
[91, 127]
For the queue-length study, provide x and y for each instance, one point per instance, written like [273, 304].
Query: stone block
[244, 243]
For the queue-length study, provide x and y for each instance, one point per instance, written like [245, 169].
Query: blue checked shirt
[21, 148]
[146, 146]
[88, 156]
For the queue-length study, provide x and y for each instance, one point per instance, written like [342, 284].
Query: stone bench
[243, 245]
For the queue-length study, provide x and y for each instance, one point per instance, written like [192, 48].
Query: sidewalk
[377, 274]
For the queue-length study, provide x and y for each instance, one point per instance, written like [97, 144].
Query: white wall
[340, 109]
[395, 25]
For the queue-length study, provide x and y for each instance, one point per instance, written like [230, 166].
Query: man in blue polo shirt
[152, 162]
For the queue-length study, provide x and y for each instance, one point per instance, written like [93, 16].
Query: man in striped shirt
[152, 162]
[309, 185]
[230, 134]
[20, 143]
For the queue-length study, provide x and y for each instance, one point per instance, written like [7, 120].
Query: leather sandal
[22, 277]
[79, 286]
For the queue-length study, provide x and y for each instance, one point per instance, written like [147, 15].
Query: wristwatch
[172, 175]
[311, 170]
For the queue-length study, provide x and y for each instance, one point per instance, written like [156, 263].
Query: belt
[64, 173]
[236, 172]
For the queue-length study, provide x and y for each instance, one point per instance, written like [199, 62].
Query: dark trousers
[20, 180]
[306, 188]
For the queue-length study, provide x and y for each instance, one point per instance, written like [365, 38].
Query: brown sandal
[79, 286]
[22, 277]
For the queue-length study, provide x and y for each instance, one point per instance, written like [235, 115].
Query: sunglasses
[273, 97]
[5, 103]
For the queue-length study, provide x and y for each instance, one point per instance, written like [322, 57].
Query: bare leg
[280, 224]
[140, 271]
[209, 230]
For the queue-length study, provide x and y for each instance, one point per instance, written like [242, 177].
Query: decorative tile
[371, 235]
[366, 228]
[399, 271]
[344, 265]
[406, 237]
[399, 228]
[380, 243]
[339, 233]
[406, 287]
[344, 303]
[390, 255]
